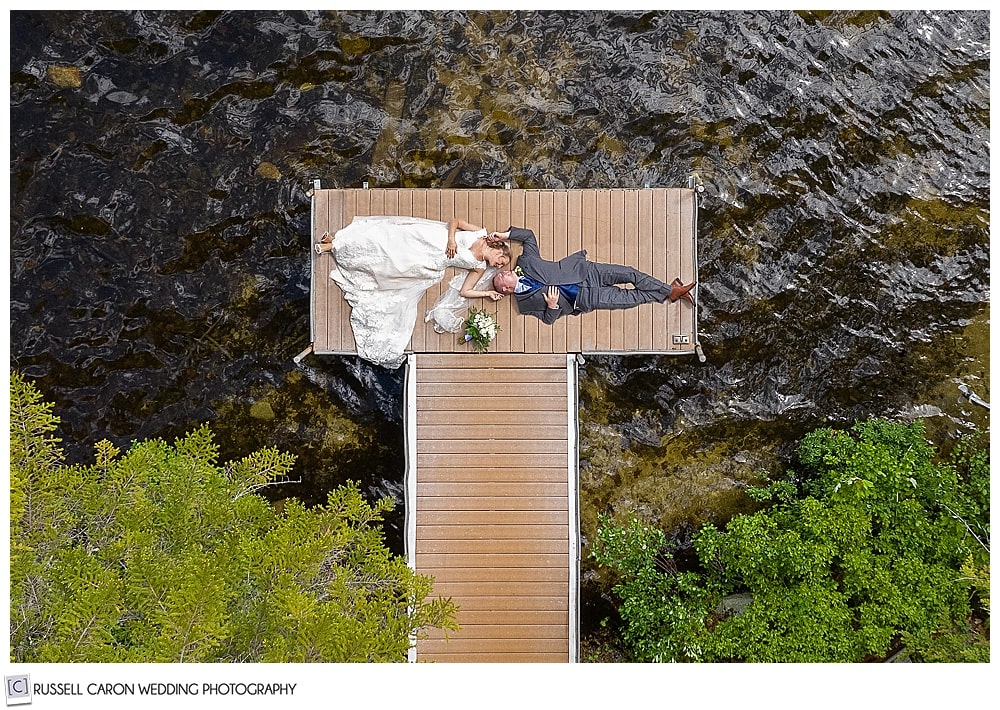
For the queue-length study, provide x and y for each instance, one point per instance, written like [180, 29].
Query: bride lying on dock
[385, 264]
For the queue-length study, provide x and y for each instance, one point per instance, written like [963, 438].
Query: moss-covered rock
[269, 171]
[66, 77]
[261, 409]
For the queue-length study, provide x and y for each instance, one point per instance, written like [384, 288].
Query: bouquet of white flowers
[480, 329]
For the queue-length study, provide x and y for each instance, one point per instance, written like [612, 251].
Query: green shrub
[883, 545]
[161, 554]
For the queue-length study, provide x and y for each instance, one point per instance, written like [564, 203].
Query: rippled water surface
[159, 224]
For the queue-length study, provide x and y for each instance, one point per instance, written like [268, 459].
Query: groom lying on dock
[551, 289]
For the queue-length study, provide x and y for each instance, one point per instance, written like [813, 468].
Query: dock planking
[652, 229]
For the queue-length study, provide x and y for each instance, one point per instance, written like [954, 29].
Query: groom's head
[505, 281]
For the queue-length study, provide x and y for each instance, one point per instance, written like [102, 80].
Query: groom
[551, 289]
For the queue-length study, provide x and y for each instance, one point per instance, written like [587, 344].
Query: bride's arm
[454, 224]
[463, 225]
[468, 289]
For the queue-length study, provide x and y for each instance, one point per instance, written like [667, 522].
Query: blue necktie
[569, 291]
[531, 284]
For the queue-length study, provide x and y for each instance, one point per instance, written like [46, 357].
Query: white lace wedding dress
[384, 266]
[450, 310]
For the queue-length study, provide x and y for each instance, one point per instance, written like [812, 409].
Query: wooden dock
[491, 479]
[492, 503]
[651, 229]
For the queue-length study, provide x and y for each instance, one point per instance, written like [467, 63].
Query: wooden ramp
[651, 229]
[492, 502]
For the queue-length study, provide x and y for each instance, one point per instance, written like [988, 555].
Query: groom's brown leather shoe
[681, 291]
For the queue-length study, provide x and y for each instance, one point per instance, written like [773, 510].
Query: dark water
[159, 225]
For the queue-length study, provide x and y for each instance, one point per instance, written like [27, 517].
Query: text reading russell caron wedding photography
[177, 689]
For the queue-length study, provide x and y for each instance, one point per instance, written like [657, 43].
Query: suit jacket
[570, 270]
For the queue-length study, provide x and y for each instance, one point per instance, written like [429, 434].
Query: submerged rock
[66, 77]
[262, 410]
[269, 171]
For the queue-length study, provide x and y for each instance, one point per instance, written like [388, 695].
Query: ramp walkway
[492, 513]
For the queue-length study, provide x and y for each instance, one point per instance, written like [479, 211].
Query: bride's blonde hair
[503, 246]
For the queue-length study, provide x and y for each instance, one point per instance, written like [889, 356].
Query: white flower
[480, 329]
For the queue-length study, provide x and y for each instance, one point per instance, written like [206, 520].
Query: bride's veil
[448, 312]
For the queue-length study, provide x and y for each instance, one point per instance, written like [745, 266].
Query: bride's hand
[451, 249]
[495, 295]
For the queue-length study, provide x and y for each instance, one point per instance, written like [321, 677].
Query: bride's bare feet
[325, 243]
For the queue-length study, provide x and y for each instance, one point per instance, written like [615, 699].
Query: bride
[385, 264]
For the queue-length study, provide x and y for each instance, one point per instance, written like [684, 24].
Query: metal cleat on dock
[969, 396]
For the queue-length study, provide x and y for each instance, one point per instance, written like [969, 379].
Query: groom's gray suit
[596, 282]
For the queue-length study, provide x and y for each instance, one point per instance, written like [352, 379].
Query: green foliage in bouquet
[480, 329]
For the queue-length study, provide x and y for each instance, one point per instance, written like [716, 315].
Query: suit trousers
[599, 289]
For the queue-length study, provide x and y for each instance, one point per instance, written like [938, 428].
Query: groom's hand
[552, 297]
